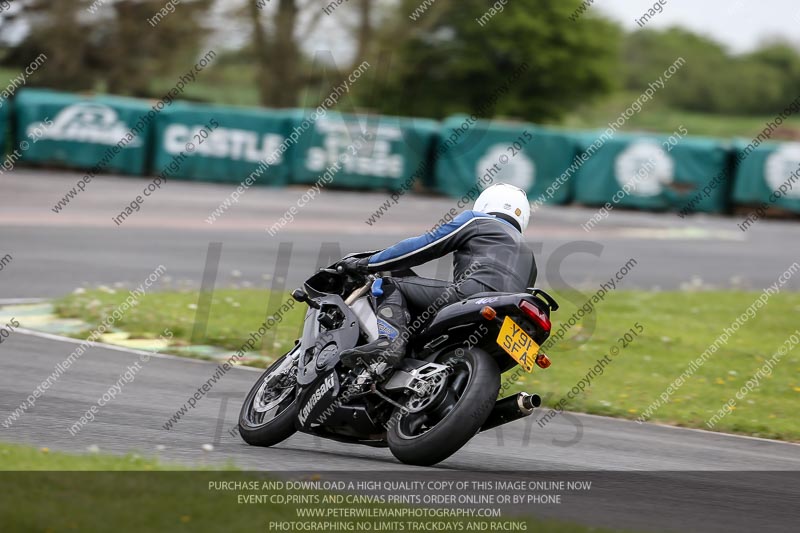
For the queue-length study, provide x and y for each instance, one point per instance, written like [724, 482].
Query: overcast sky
[740, 24]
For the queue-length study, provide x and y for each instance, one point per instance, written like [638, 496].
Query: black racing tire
[466, 416]
[278, 428]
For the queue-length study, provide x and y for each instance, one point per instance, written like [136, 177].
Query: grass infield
[49, 491]
[647, 339]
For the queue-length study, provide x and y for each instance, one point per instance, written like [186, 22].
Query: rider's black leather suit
[490, 255]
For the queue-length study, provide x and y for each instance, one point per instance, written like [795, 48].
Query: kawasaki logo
[86, 122]
[312, 402]
[224, 143]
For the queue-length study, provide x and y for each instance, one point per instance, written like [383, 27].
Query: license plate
[518, 344]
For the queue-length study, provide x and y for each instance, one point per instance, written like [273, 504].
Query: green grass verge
[46, 491]
[227, 83]
[26, 458]
[678, 327]
[234, 83]
[660, 119]
[233, 315]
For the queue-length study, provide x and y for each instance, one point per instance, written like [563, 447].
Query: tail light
[535, 314]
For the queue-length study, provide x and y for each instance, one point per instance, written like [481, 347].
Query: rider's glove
[355, 265]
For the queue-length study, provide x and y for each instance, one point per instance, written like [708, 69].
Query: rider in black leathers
[489, 255]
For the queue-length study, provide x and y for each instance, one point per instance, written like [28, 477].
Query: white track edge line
[113, 347]
[700, 430]
[21, 301]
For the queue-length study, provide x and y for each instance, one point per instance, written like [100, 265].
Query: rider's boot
[390, 346]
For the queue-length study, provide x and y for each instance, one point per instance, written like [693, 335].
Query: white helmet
[505, 199]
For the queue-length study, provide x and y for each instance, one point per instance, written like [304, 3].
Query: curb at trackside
[123, 349]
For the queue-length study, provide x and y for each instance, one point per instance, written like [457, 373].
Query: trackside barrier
[768, 174]
[230, 144]
[473, 152]
[382, 152]
[655, 172]
[5, 116]
[110, 134]
[222, 144]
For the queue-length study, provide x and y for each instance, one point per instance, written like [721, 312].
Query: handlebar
[338, 270]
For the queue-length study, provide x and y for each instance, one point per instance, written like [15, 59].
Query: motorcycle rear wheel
[437, 432]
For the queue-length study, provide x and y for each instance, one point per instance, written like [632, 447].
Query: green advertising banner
[654, 172]
[473, 154]
[103, 133]
[223, 144]
[768, 174]
[4, 126]
[362, 151]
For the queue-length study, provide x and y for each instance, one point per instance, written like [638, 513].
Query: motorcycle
[441, 395]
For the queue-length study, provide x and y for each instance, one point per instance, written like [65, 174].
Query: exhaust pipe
[511, 408]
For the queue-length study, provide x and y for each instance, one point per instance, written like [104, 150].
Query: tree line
[438, 63]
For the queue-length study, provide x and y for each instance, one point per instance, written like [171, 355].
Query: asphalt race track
[133, 423]
[55, 253]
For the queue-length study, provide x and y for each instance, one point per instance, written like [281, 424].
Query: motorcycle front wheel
[270, 408]
[435, 433]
